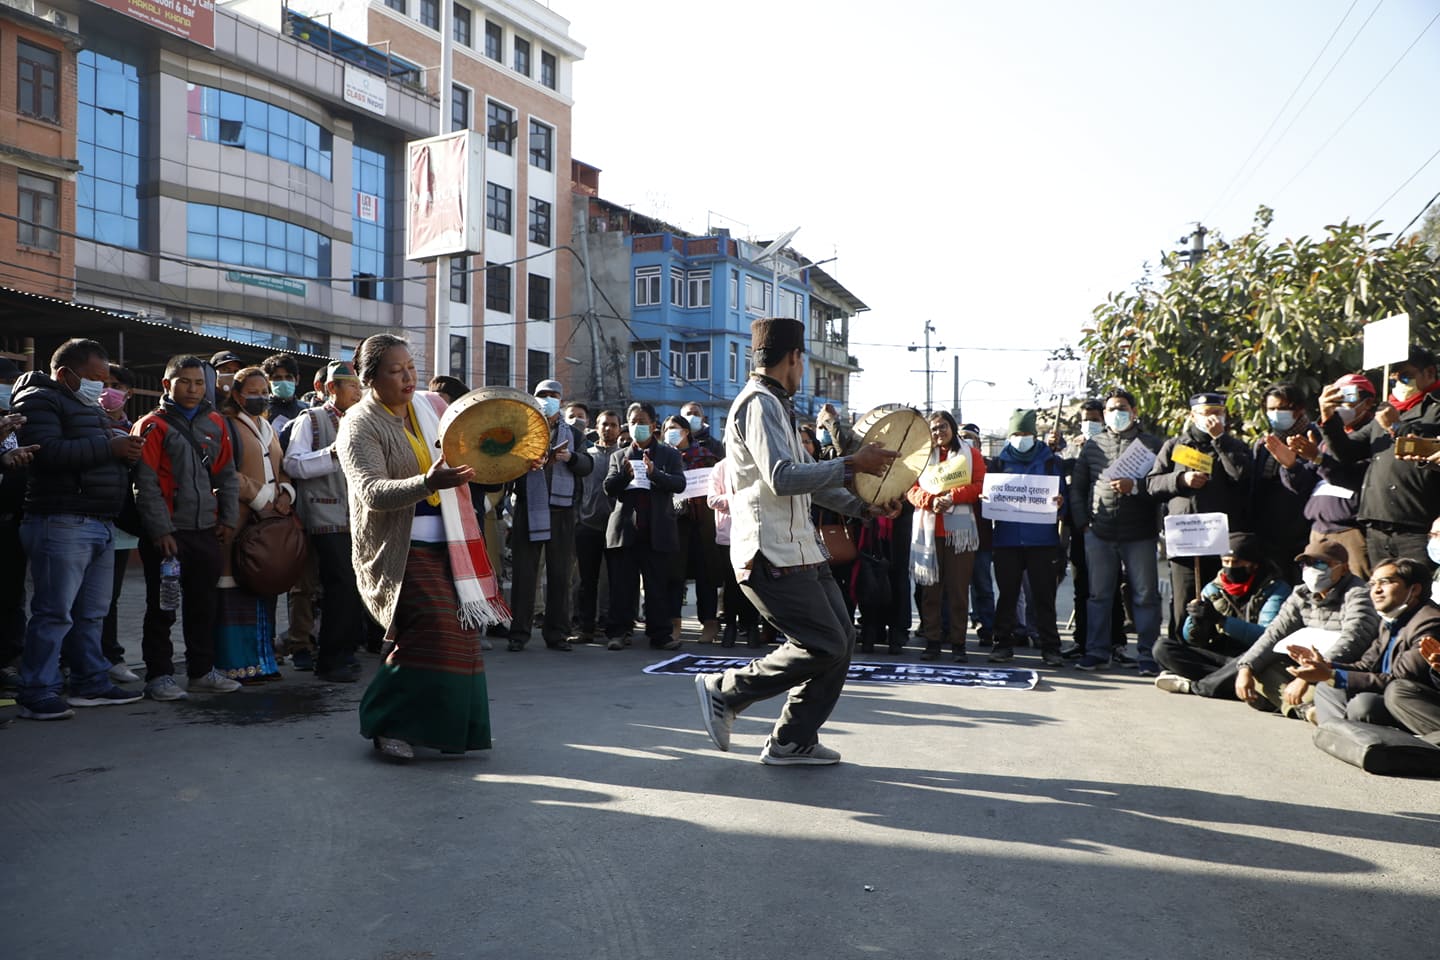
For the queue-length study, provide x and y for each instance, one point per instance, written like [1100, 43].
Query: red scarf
[1237, 590]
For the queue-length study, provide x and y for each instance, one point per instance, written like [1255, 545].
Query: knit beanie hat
[1022, 421]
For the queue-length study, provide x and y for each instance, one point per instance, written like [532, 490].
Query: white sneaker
[779, 754]
[213, 682]
[1172, 682]
[123, 674]
[165, 688]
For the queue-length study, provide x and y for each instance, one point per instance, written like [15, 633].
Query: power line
[1417, 216]
[1281, 112]
[1402, 186]
[1363, 100]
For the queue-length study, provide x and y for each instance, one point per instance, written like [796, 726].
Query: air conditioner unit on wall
[61, 18]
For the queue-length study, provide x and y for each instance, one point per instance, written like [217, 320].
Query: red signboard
[192, 20]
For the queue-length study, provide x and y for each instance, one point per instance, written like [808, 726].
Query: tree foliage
[1253, 312]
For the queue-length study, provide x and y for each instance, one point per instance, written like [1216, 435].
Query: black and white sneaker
[106, 698]
[780, 754]
[715, 713]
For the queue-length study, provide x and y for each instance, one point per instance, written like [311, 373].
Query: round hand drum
[894, 428]
[499, 431]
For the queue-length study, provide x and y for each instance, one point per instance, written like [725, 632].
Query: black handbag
[872, 579]
[1387, 751]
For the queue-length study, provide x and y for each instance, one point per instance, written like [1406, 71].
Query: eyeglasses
[1385, 581]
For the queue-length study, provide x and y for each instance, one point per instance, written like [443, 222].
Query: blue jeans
[1104, 558]
[72, 560]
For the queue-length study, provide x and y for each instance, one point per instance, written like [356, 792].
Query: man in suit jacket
[642, 540]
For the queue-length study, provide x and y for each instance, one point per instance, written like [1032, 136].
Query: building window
[499, 126]
[494, 41]
[430, 13]
[647, 286]
[245, 239]
[497, 288]
[396, 5]
[461, 16]
[537, 302]
[790, 304]
[734, 362]
[547, 69]
[522, 57]
[459, 108]
[540, 222]
[537, 367]
[459, 279]
[497, 364]
[542, 143]
[39, 211]
[647, 360]
[696, 362]
[110, 141]
[370, 234]
[235, 120]
[757, 296]
[39, 69]
[677, 288]
[697, 289]
[734, 290]
[460, 358]
[497, 207]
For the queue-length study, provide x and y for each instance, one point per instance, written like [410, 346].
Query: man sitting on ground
[1413, 697]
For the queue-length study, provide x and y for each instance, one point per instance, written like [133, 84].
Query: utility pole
[1196, 239]
[928, 371]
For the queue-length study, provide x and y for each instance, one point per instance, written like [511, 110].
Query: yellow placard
[1192, 458]
[946, 475]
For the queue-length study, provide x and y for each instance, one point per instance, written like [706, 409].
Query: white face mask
[1317, 580]
[1022, 443]
[1200, 426]
[1118, 420]
[1347, 417]
[1091, 429]
[1432, 549]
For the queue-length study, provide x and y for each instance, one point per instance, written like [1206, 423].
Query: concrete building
[672, 310]
[512, 63]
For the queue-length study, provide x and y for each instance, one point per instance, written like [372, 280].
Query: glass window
[647, 286]
[522, 57]
[542, 143]
[109, 141]
[39, 81]
[547, 69]
[497, 288]
[252, 240]
[677, 288]
[734, 290]
[698, 289]
[697, 362]
[430, 13]
[233, 120]
[537, 367]
[494, 41]
[396, 5]
[459, 108]
[647, 360]
[460, 358]
[461, 17]
[38, 211]
[370, 250]
[734, 362]
[537, 300]
[540, 222]
[499, 126]
[497, 207]
[497, 364]
[459, 279]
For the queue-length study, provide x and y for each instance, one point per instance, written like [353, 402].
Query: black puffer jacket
[74, 470]
[1094, 505]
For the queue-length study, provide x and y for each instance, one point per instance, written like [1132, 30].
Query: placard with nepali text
[1020, 498]
[1197, 535]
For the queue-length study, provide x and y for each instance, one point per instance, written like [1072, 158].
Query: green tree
[1429, 230]
[1253, 312]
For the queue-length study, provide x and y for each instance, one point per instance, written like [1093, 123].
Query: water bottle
[170, 584]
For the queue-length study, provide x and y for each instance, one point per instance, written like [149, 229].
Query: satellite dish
[776, 246]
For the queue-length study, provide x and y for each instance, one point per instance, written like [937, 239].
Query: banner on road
[688, 664]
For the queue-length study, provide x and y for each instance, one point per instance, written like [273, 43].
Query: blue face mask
[695, 423]
[89, 391]
[549, 406]
[5, 393]
[640, 432]
[673, 435]
[1280, 420]
[823, 436]
[1022, 444]
[283, 389]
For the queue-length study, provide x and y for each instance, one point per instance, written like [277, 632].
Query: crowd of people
[1321, 606]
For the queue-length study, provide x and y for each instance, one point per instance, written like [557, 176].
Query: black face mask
[1237, 573]
[255, 406]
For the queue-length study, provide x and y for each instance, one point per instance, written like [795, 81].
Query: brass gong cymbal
[497, 430]
[901, 429]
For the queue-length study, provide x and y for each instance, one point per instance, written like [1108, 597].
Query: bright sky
[998, 168]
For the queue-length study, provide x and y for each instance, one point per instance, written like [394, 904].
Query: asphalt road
[1091, 817]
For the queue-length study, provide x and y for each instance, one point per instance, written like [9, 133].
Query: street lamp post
[960, 396]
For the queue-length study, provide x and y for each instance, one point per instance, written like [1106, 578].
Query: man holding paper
[1115, 516]
[1331, 611]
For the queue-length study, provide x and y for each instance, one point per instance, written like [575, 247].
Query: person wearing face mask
[1400, 495]
[701, 558]
[700, 433]
[283, 373]
[1183, 490]
[1355, 690]
[592, 599]
[578, 416]
[245, 627]
[1114, 520]
[1332, 487]
[75, 489]
[834, 436]
[1330, 598]
[1233, 611]
[1278, 511]
[546, 502]
[1027, 548]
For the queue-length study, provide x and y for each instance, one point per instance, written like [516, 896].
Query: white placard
[1134, 463]
[639, 479]
[1327, 489]
[1326, 641]
[697, 482]
[1387, 341]
[365, 90]
[1197, 535]
[1065, 378]
[1020, 498]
